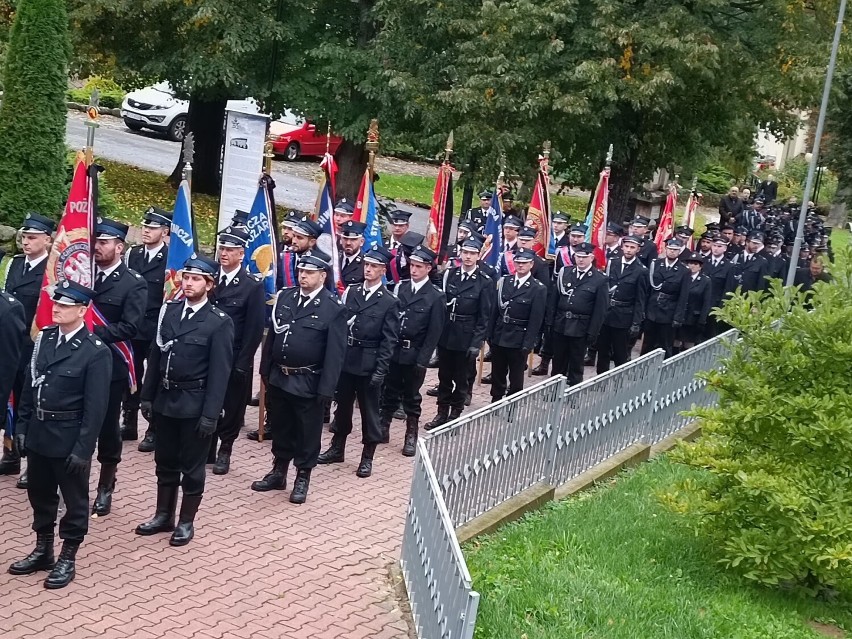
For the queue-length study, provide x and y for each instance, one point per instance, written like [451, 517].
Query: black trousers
[18, 384]
[140, 354]
[546, 350]
[568, 356]
[402, 384]
[234, 407]
[715, 327]
[180, 454]
[296, 424]
[350, 387]
[109, 441]
[46, 474]
[452, 378]
[511, 361]
[658, 335]
[613, 343]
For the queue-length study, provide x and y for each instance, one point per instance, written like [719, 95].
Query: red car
[293, 137]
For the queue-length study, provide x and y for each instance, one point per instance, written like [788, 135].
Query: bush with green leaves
[111, 94]
[715, 178]
[778, 445]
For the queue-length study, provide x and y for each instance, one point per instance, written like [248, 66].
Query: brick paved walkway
[258, 567]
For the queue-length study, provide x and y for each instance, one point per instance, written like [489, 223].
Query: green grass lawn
[614, 563]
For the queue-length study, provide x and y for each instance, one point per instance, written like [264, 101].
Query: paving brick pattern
[259, 567]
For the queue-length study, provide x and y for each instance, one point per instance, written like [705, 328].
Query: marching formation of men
[191, 362]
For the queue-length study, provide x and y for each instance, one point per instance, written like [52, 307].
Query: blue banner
[493, 232]
[181, 242]
[261, 251]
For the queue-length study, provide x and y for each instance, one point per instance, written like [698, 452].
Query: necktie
[100, 278]
[26, 267]
[223, 281]
[146, 258]
[303, 300]
[61, 342]
[189, 311]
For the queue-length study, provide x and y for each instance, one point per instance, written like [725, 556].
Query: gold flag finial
[372, 143]
[448, 150]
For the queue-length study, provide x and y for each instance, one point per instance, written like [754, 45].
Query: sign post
[245, 138]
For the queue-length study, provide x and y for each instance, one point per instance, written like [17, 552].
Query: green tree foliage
[839, 127]
[778, 447]
[32, 117]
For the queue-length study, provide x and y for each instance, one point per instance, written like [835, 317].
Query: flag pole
[93, 114]
[268, 154]
[372, 146]
[328, 138]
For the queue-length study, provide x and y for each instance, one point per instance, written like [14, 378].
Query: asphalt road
[154, 152]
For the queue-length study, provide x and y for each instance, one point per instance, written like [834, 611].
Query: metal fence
[492, 454]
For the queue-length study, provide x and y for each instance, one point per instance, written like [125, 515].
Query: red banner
[71, 253]
[538, 214]
[599, 214]
[666, 223]
[441, 213]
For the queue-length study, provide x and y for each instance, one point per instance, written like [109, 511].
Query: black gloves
[75, 465]
[377, 380]
[21, 443]
[146, 408]
[206, 426]
[634, 331]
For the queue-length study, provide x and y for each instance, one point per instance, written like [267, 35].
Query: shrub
[111, 94]
[778, 446]
[715, 178]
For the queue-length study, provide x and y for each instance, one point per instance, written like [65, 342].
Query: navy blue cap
[674, 243]
[579, 229]
[306, 226]
[485, 195]
[71, 293]
[291, 220]
[633, 239]
[36, 223]
[351, 228]
[684, 230]
[399, 217]
[584, 248]
[411, 240]
[524, 255]
[527, 231]
[507, 196]
[344, 207]
[378, 255]
[472, 244]
[156, 217]
[720, 239]
[311, 262]
[468, 226]
[202, 265]
[708, 235]
[693, 257]
[756, 236]
[240, 218]
[234, 237]
[423, 254]
[741, 230]
[513, 221]
[640, 220]
[110, 229]
[561, 216]
[712, 226]
[615, 228]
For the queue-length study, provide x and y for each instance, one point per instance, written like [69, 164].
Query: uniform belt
[298, 370]
[620, 303]
[57, 415]
[193, 384]
[515, 321]
[665, 296]
[362, 343]
[454, 317]
[405, 344]
[570, 315]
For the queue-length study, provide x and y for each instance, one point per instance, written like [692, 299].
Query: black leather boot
[41, 558]
[10, 463]
[486, 379]
[149, 442]
[455, 413]
[334, 454]
[267, 432]
[385, 424]
[433, 361]
[440, 419]
[591, 356]
[254, 400]
[164, 517]
[432, 391]
[184, 531]
[22, 481]
[399, 413]
[542, 369]
[275, 480]
[65, 569]
[300, 487]
[365, 468]
[487, 356]
[129, 428]
[409, 447]
[223, 463]
[106, 485]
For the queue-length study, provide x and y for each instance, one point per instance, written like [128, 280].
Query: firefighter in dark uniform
[13, 330]
[469, 295]
[576, 312]
[540, 269]
[120, 296]
[479, 215]
[149, 260]
[628, 294]
[565, 253]
[669, 280]
[698, 304]
[373, 322]
[185, 386]
[301, 360]
[612, 240]
[62, 409]
[559, 223]
[242, 297]
[778, 262]
[351, 260]
[515, 323]
[639, 228]
[750, 268]
[422, 311]
[24, 275]
[400, 224]
[398, 270]
[561, 239]
[717, 267]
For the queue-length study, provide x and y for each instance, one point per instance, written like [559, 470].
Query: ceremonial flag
[689, 216]
[124, 349]
[493, 232]
[71, 252]
[441, 213]
[327, 242]
[538, 214]
[596, 220]
[261, 250]
[182, 243]
[666, 223]
[367, 211]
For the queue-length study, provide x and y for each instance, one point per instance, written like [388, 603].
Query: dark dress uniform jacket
[478, 216]
[647, 252]
[669, 292]
[580, 311]
[25, 288]
[244, 301]
[519, 313]
[749, 275]
[720, 279]
[628, 293]
[154, 274]
[198, 349]
[313, 336]
[352, 273]
[421, 321]
[13, 328]
[75, 378]
[373, 330]
[699, 301]
[468, 309]
[121, 299]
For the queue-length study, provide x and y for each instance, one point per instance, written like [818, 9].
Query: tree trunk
[621, 185]
[838, 215]
[351, 161]
[206, 120]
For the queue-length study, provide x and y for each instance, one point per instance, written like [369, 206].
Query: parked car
[293, 137]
